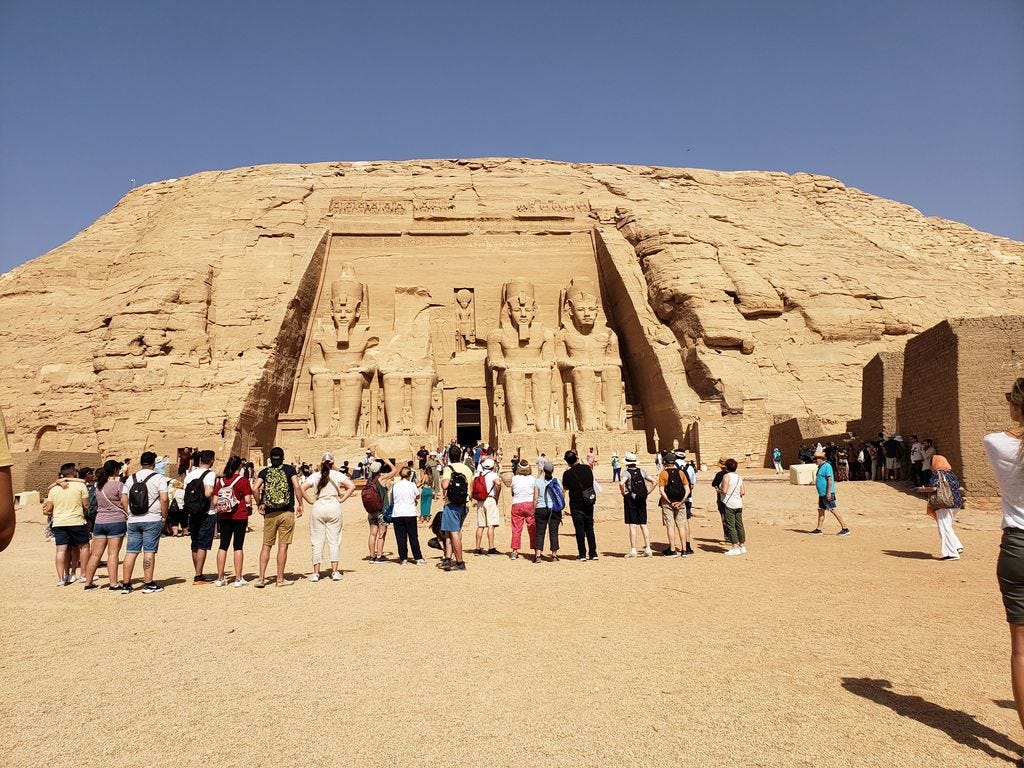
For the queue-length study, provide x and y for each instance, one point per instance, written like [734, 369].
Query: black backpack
[196, 502]
[458, 488]
[138, 496]
[636, 487]
[674, 488]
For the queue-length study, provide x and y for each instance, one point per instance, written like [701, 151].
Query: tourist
[184, 461]
[65, 506]
[548, 509]
[233, 503]
[732, 492]
[1005, 452]
[616, 468]
[378, 473]
[421, 457]
[578, 482]
[893, 449]
[279, 501]
[326, 489]
[488, 514]
[777, 460]
[147, 510]
[455, 482]
[928, 450]
[591, 459]
[635, 488]
[524, 502]
[943, 504]
[404, 511]
[825, 483]
[198, 506]
[673, 491]
[8, 520]
[109, 528]
[916, 459]
[426, 488]
[177, 520]
[691, 476]
[716, 483]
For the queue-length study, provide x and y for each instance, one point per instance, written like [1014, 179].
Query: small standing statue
[465, 321]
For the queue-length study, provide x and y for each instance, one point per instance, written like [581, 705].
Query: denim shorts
[144, 537]
[70, 535]
[826, 503]
[110, 530]
[453, 516]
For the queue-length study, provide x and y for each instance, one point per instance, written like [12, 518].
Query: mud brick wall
[929, 402]
[881, 390]
[35, 470]
[991, 356]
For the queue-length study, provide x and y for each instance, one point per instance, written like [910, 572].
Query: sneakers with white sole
[631, 553]
[314, 577]
[335, 575]
[239, 583]
[220, 582]
[733, 552]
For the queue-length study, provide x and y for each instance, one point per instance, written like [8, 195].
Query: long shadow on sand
[909, 554]
[959, 726]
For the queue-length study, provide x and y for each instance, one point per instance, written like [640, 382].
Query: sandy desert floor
[862, 651]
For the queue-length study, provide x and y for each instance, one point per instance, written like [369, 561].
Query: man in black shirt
[578, 482]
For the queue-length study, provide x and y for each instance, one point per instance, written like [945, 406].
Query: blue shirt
[821, 478]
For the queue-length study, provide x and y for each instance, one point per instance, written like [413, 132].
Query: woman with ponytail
[110, 528]
[326, 490]
[1006, 455]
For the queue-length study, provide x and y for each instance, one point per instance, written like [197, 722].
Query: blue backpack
[554, 495]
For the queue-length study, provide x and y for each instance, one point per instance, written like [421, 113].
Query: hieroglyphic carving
[359, 207]
[589, 355]
[519, 357]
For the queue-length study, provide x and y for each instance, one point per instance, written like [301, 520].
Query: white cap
[487, 463]
[327, 457]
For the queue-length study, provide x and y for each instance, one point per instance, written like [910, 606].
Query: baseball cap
[328, 457]
[375, 467]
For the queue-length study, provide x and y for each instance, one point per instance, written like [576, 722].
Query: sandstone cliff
[178, 313]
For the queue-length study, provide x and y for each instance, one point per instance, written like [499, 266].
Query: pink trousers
[523, 513]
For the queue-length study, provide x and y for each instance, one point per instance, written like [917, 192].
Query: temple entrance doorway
[467, 422]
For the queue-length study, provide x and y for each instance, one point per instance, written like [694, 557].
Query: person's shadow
[959, 726]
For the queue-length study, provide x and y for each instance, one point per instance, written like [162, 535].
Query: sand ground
[862, 651]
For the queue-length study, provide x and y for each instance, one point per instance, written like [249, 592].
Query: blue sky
[917, 100]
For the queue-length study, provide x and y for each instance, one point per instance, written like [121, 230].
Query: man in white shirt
[202, 518]
[488, 515]
[144, 529]
[916, 460]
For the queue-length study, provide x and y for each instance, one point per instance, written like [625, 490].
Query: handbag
[942, 498]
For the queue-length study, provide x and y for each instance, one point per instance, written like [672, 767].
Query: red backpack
[479, 491]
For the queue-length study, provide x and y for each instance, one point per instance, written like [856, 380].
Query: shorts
[891, 463]
[70, 535]
[278, 527]
[376, 518]
[110, 530]
[144, 537]
[825, 503]
[200, 529]
[670, 517]
[1010, 572]
[487, 513]
[452, 517]
[635, 515]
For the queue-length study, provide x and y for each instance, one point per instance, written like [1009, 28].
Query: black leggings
[407, 533]
[547, 521]
[232, 529]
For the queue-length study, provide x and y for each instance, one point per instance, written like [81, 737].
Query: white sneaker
[335, 576]
[314, 577]
[421, 561]
[743, 550]
[220, 582]
[80, 579]
[733, 552]
[648, 552]
[631, 553]
[61, 582]
[239, 583]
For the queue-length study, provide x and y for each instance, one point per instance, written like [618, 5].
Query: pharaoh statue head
[580, 300]
[347, 295]
[464, 297]
[520, 305]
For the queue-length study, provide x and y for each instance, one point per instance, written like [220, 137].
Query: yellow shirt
[5, 448]
[69, 504]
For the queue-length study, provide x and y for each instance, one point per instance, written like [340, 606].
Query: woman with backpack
[524, 501]
[232, 500]
[549, 501]
[944, 502]
[375, 502]
[326, 490]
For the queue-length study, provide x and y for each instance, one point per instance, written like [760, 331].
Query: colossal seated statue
[588, 354]
[519, 357]
[339, 366]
